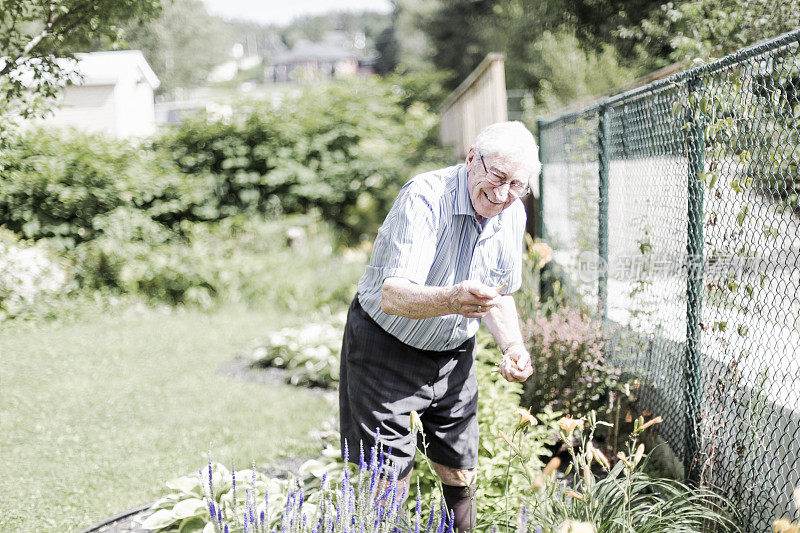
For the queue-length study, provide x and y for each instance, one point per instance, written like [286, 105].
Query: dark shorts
[383, 379]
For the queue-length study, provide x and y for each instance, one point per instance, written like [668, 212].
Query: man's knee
[456, 477]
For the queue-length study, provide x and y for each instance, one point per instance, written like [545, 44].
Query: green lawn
[96, 413]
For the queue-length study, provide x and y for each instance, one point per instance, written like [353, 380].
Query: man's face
[487, 199]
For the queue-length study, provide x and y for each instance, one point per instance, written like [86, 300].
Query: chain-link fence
[674, 208]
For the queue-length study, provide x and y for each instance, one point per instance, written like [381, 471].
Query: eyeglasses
[515, 187]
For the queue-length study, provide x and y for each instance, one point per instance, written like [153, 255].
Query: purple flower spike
[211, 510]
[226, 528]
[345, 483]
[324, 479]
[346, 452]
[233, 476]
[523, 518]
[262, 517]
[442, 518]
[430, 520]
[219, 515]
[361, 463]
[210, 478]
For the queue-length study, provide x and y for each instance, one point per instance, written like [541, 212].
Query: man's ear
[470, 154]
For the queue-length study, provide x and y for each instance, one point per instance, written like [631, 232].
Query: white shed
[114, 95]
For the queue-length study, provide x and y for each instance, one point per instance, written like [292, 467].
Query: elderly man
[448, 255]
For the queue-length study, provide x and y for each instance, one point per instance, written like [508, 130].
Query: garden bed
[243, 369]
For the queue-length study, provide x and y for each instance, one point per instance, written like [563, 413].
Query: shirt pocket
[497, 278]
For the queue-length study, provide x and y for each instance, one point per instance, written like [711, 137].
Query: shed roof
[105, 68]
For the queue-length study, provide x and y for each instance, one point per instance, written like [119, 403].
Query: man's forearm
[503, 323]
[402, 297]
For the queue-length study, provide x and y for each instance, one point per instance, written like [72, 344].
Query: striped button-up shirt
[432, 237]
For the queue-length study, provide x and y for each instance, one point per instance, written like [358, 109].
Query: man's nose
[501, 192]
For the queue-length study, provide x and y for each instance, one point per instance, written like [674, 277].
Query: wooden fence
[480, 100]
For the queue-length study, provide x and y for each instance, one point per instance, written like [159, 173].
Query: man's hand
[473, 299]
[516, 365]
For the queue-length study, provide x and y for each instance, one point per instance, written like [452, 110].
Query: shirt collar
[463, 205]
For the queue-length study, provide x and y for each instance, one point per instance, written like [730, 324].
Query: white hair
[513, 142]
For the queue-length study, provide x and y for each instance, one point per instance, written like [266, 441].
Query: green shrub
[238, 259]
[55, 186]
[344, 148]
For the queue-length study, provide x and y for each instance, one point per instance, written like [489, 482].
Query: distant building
[114, 95]
[334, 57]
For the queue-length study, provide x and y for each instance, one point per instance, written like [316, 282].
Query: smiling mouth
[490, 200]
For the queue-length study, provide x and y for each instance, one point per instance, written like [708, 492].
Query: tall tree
[684, 30]
[183, 44]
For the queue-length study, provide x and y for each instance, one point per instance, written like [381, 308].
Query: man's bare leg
[458, 486]
[402, 489]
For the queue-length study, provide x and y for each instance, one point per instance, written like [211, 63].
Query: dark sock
[462, 502]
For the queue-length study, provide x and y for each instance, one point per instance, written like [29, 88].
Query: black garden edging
[117, 518]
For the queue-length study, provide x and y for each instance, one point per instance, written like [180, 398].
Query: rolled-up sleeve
[516, 249]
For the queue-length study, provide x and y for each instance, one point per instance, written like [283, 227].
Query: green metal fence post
[694, 276]
[540, 210]
[603, 157]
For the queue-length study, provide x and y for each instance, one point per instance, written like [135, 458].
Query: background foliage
[344, 148]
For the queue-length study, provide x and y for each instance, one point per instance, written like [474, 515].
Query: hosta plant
[189, 504]
[310, 354]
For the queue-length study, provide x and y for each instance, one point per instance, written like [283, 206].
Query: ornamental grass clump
[595, 494]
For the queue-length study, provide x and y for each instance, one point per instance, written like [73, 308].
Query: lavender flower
[211, 509]
[430, 520]
[442, 518]
[417, 510]
[210, 478]
[346, 453]
[233, 476]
